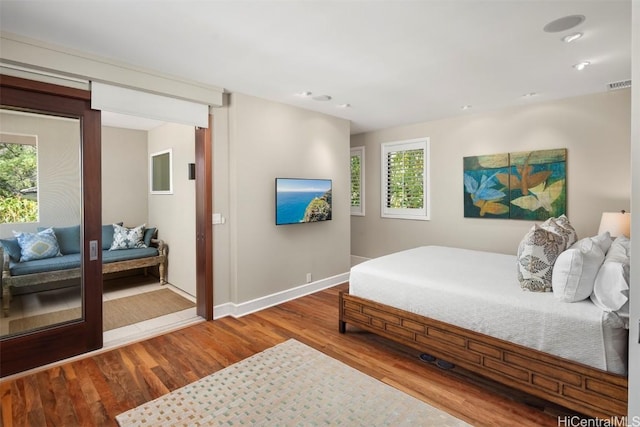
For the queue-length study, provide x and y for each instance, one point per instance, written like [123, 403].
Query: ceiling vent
[622, 84]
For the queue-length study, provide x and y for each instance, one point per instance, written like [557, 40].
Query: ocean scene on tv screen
[302, 200]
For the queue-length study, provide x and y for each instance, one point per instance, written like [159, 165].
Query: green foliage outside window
[405, 180]
[355, 180]
[18, 183]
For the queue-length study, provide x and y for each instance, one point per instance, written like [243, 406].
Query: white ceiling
[394, 62]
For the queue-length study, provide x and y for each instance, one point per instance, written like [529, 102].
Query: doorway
[169, 205]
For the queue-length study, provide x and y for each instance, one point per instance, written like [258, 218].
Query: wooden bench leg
[6, 300]
[162, 268]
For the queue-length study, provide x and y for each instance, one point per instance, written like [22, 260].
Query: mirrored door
[50, 220]
[40, 219]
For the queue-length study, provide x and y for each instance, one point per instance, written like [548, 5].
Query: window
[161, 181]
[405, 179]
[18, 178]
[357, 181]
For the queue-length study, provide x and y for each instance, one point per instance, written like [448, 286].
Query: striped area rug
[290, 384]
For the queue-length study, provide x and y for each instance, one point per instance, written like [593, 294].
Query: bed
[466, 307]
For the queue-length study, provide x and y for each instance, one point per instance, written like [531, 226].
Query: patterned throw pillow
[563, 227]
[40, 245]
[127, 238]
[538, 252]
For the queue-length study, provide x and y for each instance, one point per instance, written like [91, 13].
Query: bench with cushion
[51, 258]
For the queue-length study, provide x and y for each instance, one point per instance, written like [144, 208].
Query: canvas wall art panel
[484, 194]
[528, 185]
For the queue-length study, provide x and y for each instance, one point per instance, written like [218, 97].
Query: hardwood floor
[93, 390]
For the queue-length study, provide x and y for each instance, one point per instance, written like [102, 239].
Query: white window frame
[423, 213]
[152, 172]
[358, 152]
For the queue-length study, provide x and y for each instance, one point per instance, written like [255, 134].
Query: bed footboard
[587, 390]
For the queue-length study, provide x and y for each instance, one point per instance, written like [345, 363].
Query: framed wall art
[530, 185]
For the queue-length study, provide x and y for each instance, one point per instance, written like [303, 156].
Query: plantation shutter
[405, 179]
[357, 181]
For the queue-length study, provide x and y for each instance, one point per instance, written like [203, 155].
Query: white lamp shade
[616, 223]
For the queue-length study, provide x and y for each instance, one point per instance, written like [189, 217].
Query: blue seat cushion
[73, 261]
[125, 254]
[64, 262]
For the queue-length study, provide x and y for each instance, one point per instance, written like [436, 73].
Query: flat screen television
[300, 201]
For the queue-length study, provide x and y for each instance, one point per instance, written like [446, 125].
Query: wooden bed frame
[584, 389]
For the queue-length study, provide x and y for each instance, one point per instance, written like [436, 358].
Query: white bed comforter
[480, 291]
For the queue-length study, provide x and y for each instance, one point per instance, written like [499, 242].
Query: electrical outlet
[308, 277]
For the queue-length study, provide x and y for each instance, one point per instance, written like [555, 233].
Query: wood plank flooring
[93, 390]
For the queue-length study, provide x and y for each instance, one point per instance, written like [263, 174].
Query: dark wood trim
[44, 88]
[590, 391]
[61, 341]
[204, 227]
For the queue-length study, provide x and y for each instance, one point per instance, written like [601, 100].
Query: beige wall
[58, 169]
[594, 129]
[221, 205]
[174, 214]
[266, 140]
[124, 176]
[634, 309]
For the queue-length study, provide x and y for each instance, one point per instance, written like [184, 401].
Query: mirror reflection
[40, 221]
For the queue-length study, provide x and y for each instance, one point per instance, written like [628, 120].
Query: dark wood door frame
[22, 352]
[204, 224]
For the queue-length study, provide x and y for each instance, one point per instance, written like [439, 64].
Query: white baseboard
[244, 308]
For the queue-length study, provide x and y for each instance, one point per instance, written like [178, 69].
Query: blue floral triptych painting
[530, 185]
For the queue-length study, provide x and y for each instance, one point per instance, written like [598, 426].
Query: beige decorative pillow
[537, 253]
[563, 227]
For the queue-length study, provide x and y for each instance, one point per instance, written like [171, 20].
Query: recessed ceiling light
[322, 98]
[563, 24]
[466, 107]
[304, 94]
[344, 105]
[572, 37]
[581, 65]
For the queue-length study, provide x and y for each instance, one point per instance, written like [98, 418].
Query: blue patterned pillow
[40, 245]
[127, 238]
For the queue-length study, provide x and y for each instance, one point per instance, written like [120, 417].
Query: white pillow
[619, 250]
[611, 287]
[604, 241]
[575, 270]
